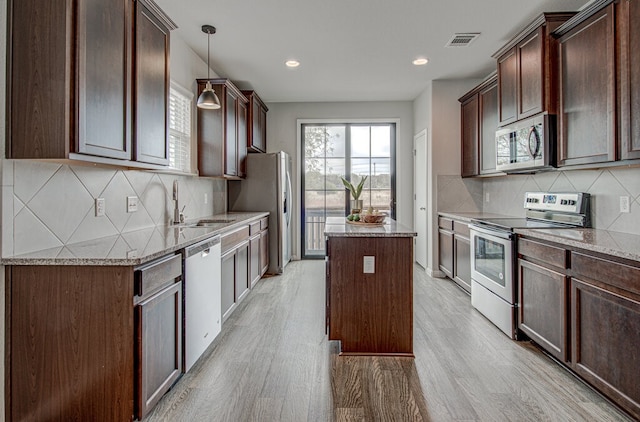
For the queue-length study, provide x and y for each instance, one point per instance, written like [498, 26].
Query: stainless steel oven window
[490, 258]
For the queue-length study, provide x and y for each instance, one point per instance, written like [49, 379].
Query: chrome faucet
[178, 217]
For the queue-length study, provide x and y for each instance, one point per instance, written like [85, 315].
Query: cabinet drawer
[549, 254]
[155, 275]
[445, 223]
[264, 223]
[461, 228]
[615, 274]
[231, 240]
[254, 228]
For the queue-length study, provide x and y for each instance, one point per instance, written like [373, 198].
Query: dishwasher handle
[203, 246]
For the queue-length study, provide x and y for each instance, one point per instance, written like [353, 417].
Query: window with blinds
[180, 129]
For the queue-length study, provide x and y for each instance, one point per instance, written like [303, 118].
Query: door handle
[422, 208]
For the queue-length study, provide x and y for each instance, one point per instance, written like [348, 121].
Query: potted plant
[356, 203]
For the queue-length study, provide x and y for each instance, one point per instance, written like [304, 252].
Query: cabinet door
[231, 134]
[462, 262]
[159, 348]
[470, 140]
[446, 252]
[543, 306]
[605, 334]
[264, 252]
[151, 88]
[70, 357]
[507, 87]
[228, 283]
[242, 138]
[529, 80]
[254, 259]
[104, 88]
[587, 91]
[243, 281]
[488, 124]
[629, 90]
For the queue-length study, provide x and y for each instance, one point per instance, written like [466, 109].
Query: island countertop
[338, 227]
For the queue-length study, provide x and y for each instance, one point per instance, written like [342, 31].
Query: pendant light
[208, 98]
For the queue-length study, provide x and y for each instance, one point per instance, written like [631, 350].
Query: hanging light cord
[208, 54]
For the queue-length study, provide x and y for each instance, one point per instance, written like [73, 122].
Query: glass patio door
[332, 151]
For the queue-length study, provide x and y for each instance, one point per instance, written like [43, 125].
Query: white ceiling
[350, 50]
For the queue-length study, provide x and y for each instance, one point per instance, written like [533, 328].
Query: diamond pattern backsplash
[605, 186]
[48, 204]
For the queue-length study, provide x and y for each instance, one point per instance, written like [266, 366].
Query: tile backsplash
[47, 204]
[505, 194]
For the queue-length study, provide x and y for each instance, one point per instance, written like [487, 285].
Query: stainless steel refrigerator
[267, 187]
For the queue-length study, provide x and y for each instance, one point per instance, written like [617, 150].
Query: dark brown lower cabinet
[605, 327]
[461, 256]
[228, 283]
[69, 343]
[159, 346]
[543, 300]
[264, 251]
[243, 282]
[445, 239]
[254, 259]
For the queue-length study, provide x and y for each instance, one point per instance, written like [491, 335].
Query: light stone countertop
[468, 216]
[338, 227]
[621, 245]
[133, 248]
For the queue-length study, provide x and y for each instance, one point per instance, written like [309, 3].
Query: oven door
[492, 261]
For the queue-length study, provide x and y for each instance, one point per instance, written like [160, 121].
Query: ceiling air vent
[462, 40]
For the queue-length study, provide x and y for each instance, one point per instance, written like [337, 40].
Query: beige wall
[437, 110]
[282, 135]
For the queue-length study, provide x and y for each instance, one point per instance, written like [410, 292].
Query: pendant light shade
[208, 99]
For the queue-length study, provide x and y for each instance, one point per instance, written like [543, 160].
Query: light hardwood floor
[272, 362]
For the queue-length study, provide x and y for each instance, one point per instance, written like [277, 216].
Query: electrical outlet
[100, 207]
[206, 198]
[624, 204]
[369, 265]
[487, 197]
[132, 203]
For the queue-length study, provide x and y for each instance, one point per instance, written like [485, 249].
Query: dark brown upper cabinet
[587, 106]
[222, 133]
[71, 86]
[527, 69]
[479, 115]
[257, 123]
[151, 118]
[628, 27]
[470, 137]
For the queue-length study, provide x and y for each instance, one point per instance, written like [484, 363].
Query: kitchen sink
[214, 222]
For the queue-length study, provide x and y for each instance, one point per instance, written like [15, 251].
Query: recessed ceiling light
[292, 63]
[421, 61]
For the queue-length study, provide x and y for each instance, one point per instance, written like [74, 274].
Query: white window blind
[180, 129]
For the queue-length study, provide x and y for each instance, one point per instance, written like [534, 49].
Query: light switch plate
[100, 207]
[206, 198]
[369, 264]
[132, 203]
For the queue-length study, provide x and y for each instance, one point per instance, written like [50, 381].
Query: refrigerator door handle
[288, 199]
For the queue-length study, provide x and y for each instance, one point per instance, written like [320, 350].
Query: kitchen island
[369, 287]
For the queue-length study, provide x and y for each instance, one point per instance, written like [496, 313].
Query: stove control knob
[563, 202]
[572, 202]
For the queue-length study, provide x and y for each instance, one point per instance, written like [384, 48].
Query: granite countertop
[338, 227]
[133, 248]
[622, 245]
[468, 216]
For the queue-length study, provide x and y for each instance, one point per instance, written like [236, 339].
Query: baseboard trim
[436, 273]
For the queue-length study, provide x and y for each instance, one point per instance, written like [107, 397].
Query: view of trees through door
[332, 151]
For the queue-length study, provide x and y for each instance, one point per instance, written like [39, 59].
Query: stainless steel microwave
[527, 145]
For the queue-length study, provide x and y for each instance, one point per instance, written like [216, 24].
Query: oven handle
[496, 233]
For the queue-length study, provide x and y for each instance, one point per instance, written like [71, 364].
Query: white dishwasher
[202, 298]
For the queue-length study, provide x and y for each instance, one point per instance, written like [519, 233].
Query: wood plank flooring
[272, 362]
